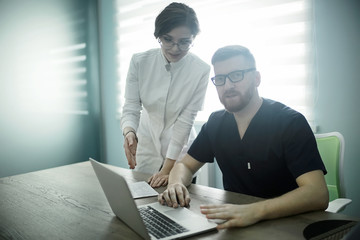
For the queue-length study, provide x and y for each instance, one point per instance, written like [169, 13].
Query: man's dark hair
[176, 15]
[227, 52]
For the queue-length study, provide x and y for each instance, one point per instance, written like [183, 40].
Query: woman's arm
[185, 121]
[131, 114]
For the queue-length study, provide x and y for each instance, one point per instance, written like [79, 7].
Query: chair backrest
[331, 147]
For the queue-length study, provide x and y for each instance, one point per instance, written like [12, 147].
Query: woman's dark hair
[176, 15]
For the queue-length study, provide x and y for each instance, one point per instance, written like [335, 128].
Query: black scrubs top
[277, 147]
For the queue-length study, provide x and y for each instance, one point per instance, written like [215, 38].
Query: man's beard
[232, 106]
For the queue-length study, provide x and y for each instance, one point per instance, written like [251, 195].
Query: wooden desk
[68, 203]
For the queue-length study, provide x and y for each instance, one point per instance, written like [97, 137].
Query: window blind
[278, 32]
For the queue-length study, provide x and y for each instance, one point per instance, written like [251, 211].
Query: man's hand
[176, 194]
[130, 145]
[234, 215]
[158, 179]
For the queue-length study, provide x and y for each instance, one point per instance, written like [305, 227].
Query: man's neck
[244, 117]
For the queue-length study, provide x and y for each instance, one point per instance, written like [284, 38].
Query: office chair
[331, 148]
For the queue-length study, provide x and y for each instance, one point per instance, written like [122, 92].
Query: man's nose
[228, 83]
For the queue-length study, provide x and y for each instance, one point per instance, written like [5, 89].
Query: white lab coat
[161, 103]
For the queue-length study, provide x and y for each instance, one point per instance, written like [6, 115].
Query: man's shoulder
[215, 119]
[218, 115]
[279, 109]
[282, 117]
[269, 103]
[214, 122]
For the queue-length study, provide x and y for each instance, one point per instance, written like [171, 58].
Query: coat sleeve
[131, 110]
[185, 121]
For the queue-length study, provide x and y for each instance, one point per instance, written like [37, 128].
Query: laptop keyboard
[158, 224]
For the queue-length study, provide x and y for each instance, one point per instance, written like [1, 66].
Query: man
[263, 148]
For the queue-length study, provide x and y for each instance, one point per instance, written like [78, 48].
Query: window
[278, 32]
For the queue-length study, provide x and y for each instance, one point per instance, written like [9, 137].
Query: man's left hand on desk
[234, 215]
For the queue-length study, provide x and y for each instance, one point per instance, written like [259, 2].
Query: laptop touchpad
[180, 214]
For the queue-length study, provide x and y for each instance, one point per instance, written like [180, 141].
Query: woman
[165, 88]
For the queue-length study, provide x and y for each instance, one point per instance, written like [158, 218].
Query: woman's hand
[159, 179]
[130, 145]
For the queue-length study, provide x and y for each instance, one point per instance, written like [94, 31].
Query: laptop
[146, 220]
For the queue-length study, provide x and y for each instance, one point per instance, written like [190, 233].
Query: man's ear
[257, 78]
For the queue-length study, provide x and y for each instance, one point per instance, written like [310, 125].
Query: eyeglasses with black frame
[235, 76]
[168, 43]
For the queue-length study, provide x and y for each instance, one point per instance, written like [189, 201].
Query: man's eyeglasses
[168, 43]
[235, 76]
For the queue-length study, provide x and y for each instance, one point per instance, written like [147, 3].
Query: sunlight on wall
[43, 88]
[51, 86]
[37, 84]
